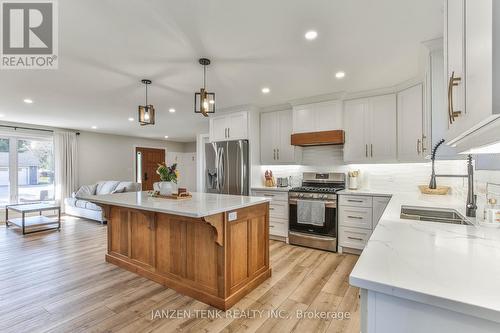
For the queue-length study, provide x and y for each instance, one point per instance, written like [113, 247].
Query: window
[35, 175]
[26, 169]
[4, 172]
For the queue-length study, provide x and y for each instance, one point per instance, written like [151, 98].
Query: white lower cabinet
[278, 212]
[357, 217]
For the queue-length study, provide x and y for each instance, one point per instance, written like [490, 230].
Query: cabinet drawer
[358, 217]
[355, 200]
[354, 238]
[278, 209]
[278, 227]
[275, 195]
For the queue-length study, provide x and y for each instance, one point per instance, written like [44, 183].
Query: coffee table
[37, 221]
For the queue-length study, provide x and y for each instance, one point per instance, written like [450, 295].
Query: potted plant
[168, 179]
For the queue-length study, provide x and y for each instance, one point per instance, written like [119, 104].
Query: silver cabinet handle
[366, 150]
[418, 146]
[271, 208]
[351, 200]
[225, 133]
[355, 238]
[229, 132]
[269, 195]
[271, 226]
[274, 154]
[355, 217]
[371, 150]
[278, 153]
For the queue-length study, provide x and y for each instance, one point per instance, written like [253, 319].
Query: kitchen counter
[212, 247]
[365, 192]
[449, 266]
[200, 205]
[274, 188]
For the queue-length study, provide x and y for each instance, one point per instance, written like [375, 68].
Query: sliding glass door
[4, 172]
[26, 169]
[35, 170]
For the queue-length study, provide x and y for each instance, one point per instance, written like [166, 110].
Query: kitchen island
[212, 247]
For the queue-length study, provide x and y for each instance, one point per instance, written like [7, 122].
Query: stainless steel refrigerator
[227, 169]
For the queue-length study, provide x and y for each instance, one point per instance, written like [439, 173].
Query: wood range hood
[322, 138]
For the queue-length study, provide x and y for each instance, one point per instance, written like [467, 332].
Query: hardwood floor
[59, 282]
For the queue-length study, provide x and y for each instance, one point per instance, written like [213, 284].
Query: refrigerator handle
[221, 172]
[242, 170]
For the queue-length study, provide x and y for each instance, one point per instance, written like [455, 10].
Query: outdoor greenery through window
[34, 161]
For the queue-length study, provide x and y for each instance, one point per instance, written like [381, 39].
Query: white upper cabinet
[370, 129]
[469, 65]
[233, 126]
[355, 124]
[411, 136]
[383, 128]
[316, 117]
[275, 132]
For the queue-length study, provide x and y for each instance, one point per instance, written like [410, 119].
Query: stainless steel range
[313, 210]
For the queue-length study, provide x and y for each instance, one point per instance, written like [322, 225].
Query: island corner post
[212, 259]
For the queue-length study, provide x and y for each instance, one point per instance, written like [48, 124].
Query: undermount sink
[432, 215]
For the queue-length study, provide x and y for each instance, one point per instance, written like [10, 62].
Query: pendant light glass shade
[146, 112]
[204, 101]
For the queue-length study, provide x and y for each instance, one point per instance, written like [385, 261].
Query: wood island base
[212, 259]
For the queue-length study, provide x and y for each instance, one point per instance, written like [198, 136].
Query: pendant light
[204, 101]
[147, 111]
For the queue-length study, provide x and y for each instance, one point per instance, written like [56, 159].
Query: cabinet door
[379, 205]
[238, 126]
[142, 237]
[355, 147]
[268, 134]
[410, 124]
[286, 152]
[218, 129]
[303, 119]
[455, 60]
[328, 116]
[382, 123]
[478, 63]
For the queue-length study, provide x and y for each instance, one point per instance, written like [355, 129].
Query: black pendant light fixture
[204, 101]
[147, 111]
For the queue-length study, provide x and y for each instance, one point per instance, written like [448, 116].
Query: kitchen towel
[311, 212]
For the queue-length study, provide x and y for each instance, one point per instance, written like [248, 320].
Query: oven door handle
[328, 204]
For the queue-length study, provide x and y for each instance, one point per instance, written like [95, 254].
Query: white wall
[111, 157]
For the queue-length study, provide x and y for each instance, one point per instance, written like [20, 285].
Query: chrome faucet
[471, 206]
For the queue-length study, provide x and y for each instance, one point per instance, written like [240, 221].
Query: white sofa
[82, 208]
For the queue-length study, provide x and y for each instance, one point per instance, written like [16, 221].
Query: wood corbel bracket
[217, 222]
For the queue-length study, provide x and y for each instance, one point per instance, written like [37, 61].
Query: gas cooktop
[317, 189]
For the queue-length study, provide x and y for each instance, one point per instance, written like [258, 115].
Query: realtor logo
[29, 38]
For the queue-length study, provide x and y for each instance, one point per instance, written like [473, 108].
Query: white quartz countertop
[200, 205]
[456, 267]
[274, 188]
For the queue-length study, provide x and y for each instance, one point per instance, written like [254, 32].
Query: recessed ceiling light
[266, 90]
[130, 119]
[171, 110]
[94, 127]
[166, 136]
[28, 101]
[311, 35]
[340, 75]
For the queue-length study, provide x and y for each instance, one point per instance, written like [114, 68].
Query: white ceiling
[107, 46]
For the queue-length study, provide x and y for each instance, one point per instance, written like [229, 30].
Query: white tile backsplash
[401, 177]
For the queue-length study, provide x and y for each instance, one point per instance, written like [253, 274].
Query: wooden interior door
[147, 160]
